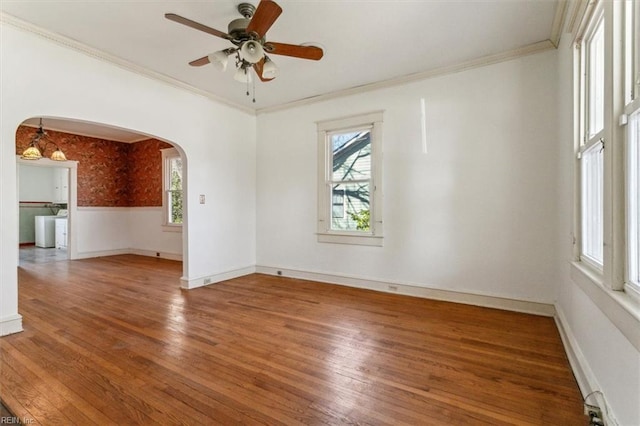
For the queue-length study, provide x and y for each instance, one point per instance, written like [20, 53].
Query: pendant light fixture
[38, 145]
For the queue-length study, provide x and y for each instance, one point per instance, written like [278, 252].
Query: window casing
[349, 180]
[172, 188]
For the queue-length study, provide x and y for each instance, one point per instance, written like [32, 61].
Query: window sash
[633, 201]
[594, 79]
[592, 198]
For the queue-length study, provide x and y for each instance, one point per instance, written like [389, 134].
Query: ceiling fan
[248, 35]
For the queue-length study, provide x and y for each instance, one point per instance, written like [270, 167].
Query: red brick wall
[145, 173]
[110, 173]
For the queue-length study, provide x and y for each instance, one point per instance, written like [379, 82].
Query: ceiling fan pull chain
[254, 90]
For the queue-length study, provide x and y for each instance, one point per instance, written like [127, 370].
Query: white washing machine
[45, 231]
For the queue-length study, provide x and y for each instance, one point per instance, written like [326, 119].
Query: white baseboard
[139, 252]
[158, 254]
[191, 283]
[99, 253]
[536, 308]
[11, 324]
[585, 377]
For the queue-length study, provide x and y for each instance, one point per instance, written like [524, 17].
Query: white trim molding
[621, 309]
[10, 325]
[191, 283]
[411, 289]
[585, 377]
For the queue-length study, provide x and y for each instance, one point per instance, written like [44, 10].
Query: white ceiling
[365, 42]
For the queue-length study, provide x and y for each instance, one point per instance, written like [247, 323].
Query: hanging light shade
[219, 60]
[269, 70]
[58, 155]
[252, 51]
[31, 153]
[242, 75]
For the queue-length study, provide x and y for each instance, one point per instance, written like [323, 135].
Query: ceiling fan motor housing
[238, 29]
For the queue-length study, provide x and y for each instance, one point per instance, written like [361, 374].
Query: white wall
[218, 143]
[476, 214]
[36, 183]
[605, 358]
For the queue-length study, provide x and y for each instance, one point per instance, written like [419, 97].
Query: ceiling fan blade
[196, 25]
[258, 67]
[305, 52]
[200, 62]
[264, 16]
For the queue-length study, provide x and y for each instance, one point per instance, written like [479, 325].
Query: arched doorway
[116, 198]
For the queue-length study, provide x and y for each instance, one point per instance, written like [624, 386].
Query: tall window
[633, 208]
[632, 109]
[349, 177]
[592, 143]
[172, 186]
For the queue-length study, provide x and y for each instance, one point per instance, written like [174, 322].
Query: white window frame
[169, 154]
[591, 144]
[632, 152]
[374, 236]
[632, 282]
[632, 57]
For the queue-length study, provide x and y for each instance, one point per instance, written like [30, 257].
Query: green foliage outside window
[362, 219]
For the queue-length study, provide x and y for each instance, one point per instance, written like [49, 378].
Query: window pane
[634, 198]
[355, 213]
[351, 155]
[592, 203]
[175, 206]
[175, 167]
[596, 80]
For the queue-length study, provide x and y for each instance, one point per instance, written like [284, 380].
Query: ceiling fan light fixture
[270, 69]
[242, 75]
[252, 51]
[219, 60]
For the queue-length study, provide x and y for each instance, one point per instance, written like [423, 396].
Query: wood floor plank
[114, 340]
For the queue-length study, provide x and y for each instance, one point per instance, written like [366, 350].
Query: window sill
[171, 228]
[621, 309]
[361, 240]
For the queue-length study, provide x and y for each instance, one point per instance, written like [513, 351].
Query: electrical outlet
[279, 272]
[595, 415]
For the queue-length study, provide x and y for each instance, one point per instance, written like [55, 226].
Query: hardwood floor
[114, 341]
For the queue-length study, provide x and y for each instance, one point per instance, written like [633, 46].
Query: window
[172, 187]
[633, 205]
[592, 143]
[349, 177]
[632, 178]
[631, 47]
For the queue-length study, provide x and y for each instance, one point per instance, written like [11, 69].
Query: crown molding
[530, 49]
[562, 8]
[533, 48]
[59, 39]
